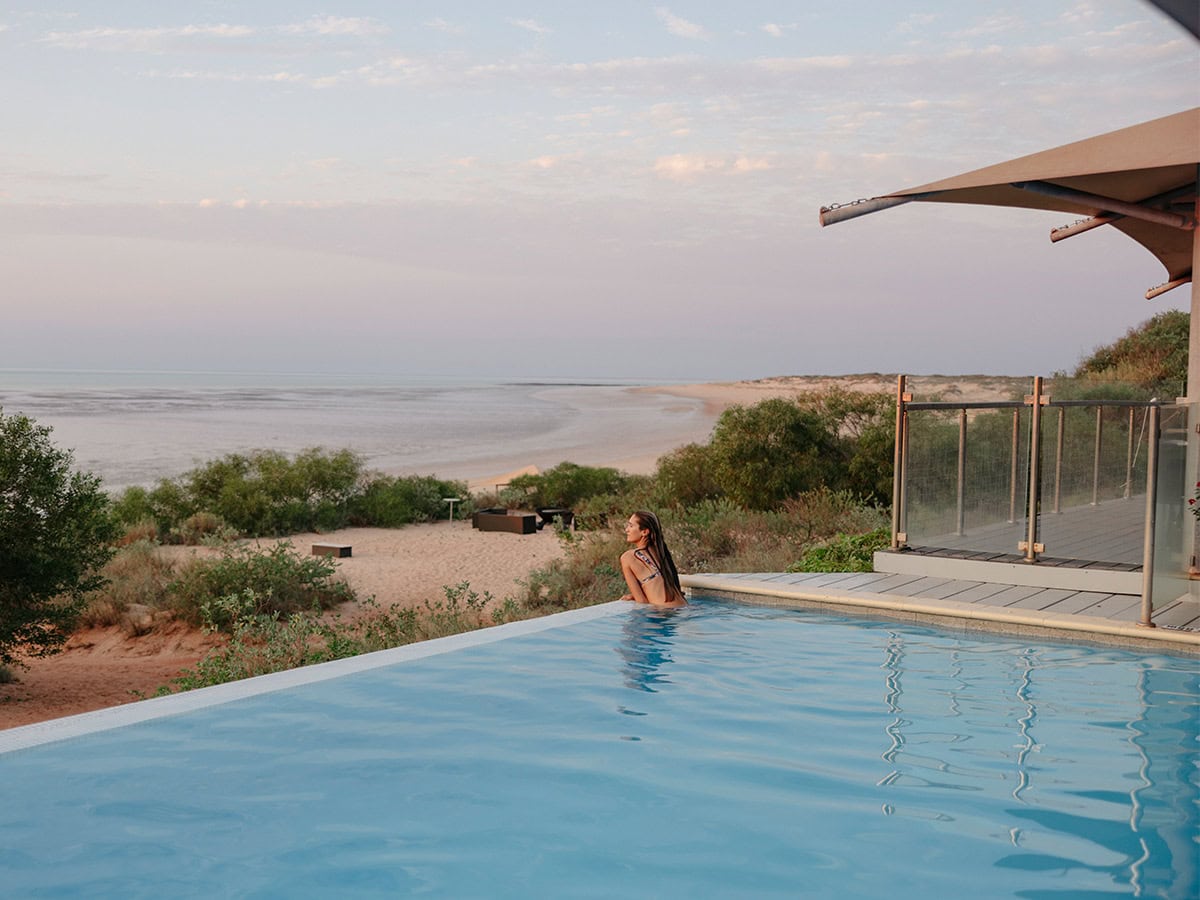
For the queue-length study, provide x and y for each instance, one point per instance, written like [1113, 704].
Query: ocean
[133, 428]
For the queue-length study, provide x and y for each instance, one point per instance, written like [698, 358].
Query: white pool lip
[25, 736]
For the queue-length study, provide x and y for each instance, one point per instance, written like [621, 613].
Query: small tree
[55, 535]
[776, 449]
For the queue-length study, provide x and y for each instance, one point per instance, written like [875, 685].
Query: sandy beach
[409, 566]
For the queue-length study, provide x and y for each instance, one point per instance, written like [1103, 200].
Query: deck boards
[1111, 532]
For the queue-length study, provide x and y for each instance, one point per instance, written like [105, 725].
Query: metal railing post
[960, 514]
[1129, 458]
[1151, 503]
[1058, 461]
[898, 465]
[1096, 456]
[1012, 475]
[1031, 547]
[904, 481]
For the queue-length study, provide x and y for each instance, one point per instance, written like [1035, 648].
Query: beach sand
[104, 667]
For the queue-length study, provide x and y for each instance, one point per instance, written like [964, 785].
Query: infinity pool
[715, 751]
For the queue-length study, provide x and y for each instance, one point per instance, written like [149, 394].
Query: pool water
[714, 751]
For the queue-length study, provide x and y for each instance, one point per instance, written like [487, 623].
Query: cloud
[776, 30]
[989, 26]
[145, 40]
[686, 167]
[681, 27]
[532, 25]
[746, 164]
[440, 24]
[165, 39]
[337, 25]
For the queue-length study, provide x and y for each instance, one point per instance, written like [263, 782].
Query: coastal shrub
[261, 643]
[686, 476]
[279, 579]
[56, 534]
[565, 485]
[385, 501]
[765, 453]
[602, 510]
[844, 553]
[821, 513]
[137, 575]
[132, 507]
[588, 574]
[202, 527]
[141, 530]
[461, 610]
[1151, 356]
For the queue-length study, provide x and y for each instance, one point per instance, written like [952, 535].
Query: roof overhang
[1141, 180]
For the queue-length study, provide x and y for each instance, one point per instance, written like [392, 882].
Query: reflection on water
[941, 731]
[645, 646]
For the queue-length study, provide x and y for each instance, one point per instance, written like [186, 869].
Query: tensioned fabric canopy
[1141, 180]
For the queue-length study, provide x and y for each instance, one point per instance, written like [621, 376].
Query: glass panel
[1093, 483]
[1174, 524]
[990, 516]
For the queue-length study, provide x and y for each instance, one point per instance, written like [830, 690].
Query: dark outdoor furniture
[549, 514]
[515, 521]
[338, 550]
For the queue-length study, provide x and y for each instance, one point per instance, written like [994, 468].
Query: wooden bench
[511, 520]
[338, 550]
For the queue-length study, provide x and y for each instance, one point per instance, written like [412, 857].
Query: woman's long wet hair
[657, 547]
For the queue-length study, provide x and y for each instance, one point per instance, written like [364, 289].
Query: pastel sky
[602, 190]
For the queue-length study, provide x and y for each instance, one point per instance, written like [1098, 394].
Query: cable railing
[1082, 483]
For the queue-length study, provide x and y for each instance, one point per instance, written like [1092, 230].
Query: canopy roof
[1140, 180]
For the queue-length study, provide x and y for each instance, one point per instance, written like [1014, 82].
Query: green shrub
[280, 581]
[565, 485]
[200, 528]
[765, 453]
[389, 502]
[589, 574]
[685, 476]
[1152, 357]
[844, 553]
[261, 643]
[132, 507]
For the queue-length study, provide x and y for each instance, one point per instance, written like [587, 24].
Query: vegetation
[265, 493]
[262, 643]
[1152, 358]
[844, 553]
[55, 536]
[278, 581]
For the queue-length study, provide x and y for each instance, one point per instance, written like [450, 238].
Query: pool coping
[758, 588]
[68, 727]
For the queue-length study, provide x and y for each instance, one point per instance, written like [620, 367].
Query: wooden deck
[1062, 612]
[1109, 532]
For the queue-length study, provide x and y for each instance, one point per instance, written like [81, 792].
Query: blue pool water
[715, 751]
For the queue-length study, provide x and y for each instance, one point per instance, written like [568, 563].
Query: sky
[535, 189]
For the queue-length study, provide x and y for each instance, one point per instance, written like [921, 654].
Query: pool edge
[23, 737]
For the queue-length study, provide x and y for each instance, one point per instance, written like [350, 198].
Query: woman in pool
[647, 566]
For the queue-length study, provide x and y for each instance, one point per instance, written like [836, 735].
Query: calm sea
[136, 427]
